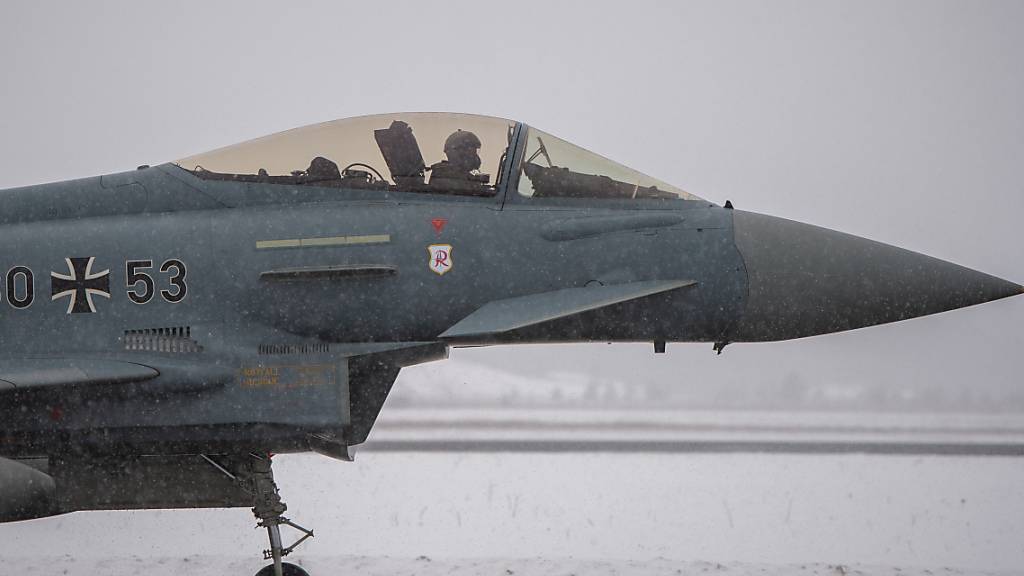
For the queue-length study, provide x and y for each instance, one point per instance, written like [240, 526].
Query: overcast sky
[898, 121]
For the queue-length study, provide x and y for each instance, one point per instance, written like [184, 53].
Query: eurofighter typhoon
[166, 330]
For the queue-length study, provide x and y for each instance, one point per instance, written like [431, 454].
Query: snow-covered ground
[426, 566]
[590, 512]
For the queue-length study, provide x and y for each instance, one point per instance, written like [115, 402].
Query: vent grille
[276, 349]
[175, 339]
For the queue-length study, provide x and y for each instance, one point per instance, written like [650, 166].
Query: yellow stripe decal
[260, 244]
[328, 241]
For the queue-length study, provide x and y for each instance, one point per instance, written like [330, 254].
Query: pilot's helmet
[461, 140]
[461, 149]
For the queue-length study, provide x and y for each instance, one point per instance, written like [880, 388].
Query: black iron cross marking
[81, 285]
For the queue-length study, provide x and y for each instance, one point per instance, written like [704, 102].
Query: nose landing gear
[268, 507]
[253, 478]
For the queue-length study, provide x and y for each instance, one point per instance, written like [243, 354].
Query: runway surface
[556, 431]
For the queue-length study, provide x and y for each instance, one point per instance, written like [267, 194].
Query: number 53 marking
[141, 287]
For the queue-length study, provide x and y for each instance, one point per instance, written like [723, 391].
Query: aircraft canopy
[427, 152]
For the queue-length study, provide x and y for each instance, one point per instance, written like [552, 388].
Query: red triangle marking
[439, 224]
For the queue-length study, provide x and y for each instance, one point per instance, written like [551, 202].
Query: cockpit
[439, 153]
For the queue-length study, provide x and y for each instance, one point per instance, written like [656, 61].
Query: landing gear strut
[268, 507]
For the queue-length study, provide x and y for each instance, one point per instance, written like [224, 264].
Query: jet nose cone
[804, 280]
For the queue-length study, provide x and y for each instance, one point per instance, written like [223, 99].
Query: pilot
[463, 151]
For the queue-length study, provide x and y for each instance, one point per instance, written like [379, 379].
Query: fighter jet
[166, 330]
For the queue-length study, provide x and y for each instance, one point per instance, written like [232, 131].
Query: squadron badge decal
[440, 261]
[80, 285]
